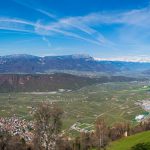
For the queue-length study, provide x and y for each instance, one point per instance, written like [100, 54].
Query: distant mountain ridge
[52, 82]
[33, 64]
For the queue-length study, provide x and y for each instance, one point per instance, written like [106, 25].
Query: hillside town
[18, 127]
[145, 105]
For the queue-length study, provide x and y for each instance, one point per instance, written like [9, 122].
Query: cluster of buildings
[17, 127]
[139, 118]
[145, 105]
[82, 127]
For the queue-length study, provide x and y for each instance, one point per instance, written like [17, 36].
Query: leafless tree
[64, 143]
[86, 141]
[119, 130]
[77, 144]
[47, 126]
[101, 133]
[4, 138]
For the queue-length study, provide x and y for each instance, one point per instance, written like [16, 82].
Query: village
[18, 127]
[145, 105]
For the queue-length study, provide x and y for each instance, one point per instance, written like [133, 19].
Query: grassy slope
[127, 143]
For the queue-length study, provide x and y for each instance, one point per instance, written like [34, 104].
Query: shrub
[141, 146]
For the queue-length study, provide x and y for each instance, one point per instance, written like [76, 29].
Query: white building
[139, 118]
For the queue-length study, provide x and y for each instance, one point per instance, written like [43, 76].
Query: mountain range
[33, 64]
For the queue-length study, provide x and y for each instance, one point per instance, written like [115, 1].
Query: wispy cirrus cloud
[78, 23]
[82, 27]
[37, 9]
[61, 26]
[16, 25]
[38, 28]
[8, 25]
[45, 39]
[135, 17]
[46, 13]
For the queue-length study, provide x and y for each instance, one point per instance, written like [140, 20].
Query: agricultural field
[114, 101]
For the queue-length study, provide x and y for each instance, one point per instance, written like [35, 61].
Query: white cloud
[46, 13]
[31, 6]
[141, 58]
[38, 28]
[132, 17]
[47, 41]
[137, 20]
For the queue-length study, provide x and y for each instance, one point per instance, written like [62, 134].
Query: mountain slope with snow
[33, 64]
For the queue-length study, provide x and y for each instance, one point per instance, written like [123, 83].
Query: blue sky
[100, 28]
